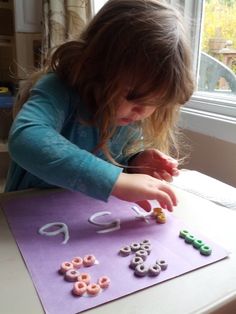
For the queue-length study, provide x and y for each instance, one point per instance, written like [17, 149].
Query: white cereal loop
[162, 263]
[142, 253]
[135, 247]
[135, 262]
[62, 229]
[146, 247]
[144, 242]
[71, 275]
[154, 270]
[125, 251]
[141, 270]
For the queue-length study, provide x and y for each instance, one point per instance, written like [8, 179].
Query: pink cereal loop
[104, 282]
[65, 266]
[77, 262]
[93, 289]
[84, 277]
[80, 288]
[89, 260]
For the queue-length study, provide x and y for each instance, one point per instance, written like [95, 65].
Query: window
[212, 109]
[212, 25]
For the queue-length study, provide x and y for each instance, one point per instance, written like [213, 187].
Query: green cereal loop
[205, 250]
[183, 233]
[189, 238]
[198, 243]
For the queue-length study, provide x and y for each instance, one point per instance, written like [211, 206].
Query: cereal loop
[77, 262]
[79, 288]
[84, 277]
[93, 289]
[89, 260]
[157, 211]
[135, 261]
[104, 282]
[65, 266]
[162, 263]
[142, 253]
[135, 247]
[154, 270]
[125, 251]
[141, 270]
[161, 218]
[71, 275]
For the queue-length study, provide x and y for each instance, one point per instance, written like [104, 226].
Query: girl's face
[130, 111]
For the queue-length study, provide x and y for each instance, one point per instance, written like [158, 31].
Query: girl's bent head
[135, 47]
[131, 51]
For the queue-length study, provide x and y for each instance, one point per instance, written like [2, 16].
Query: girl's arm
[36, 145]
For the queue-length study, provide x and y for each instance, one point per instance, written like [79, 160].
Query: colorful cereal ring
[135, 247]
[198, 243]
[80, 288]
[71, 275]
[104, 282]
[135, 261]
[162, 263]
[189, 238]
[84, 277]
[183, 233]
[141, 270]
[145, 242]
[93, 289]
[161, 218]
[65, 266]
[125, 251]
[157, 211]
[89, 260]
[77, 262]
[205, 250]
[146, 247]
[154, 270]
[142, 253]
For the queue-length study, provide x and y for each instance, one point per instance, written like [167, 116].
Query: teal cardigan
[50, 147]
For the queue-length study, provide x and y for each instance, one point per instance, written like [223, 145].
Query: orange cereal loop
[161, 219]
[77, 262]
[65, 266]
[157, 211]
[84, 277]
[89, 260]
[104, 282]
[93, 289]
[80, 288]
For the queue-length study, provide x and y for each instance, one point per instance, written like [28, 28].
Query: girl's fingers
[145, 205]
[156, 175]
[165, 200]
[171, 194]
[166, 176]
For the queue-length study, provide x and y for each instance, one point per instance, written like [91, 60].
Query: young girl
[97, 116]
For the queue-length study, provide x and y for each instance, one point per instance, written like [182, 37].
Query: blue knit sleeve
[37, 145]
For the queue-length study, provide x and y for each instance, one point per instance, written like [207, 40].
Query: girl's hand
[139, 187]
[156, 164]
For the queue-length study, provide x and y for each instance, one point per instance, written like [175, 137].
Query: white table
[211, 289]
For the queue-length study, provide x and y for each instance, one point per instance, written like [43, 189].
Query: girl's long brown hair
[140, 45]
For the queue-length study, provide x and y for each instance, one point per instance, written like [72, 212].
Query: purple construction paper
[43, 255]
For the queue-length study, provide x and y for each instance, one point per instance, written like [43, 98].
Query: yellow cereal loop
[161, 218]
